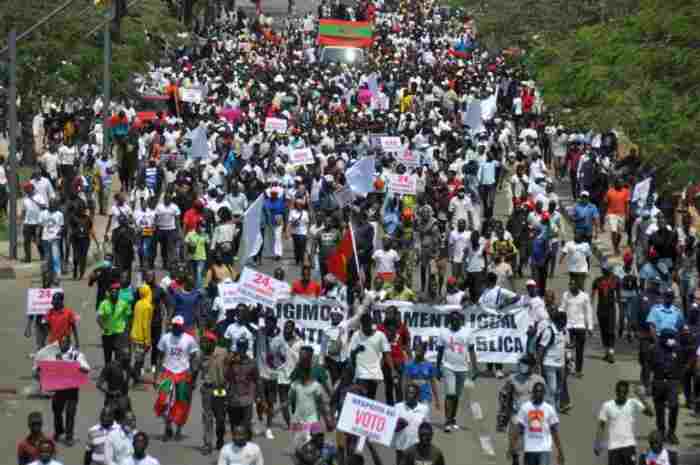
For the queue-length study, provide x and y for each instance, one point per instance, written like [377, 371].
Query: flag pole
[354, 251]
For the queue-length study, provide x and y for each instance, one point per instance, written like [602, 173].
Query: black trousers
[371, 387]
[81, 245]
[579, 337]
[31, 234]
[236, 416]
[622, 456]
[64, 405]
[607, 327]
[156, 332]
[299, 248]
[392, 387]
[665, 394]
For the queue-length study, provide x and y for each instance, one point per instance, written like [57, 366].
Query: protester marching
[407, 200]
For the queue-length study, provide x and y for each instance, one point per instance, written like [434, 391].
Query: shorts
[537, 458]
[616, 223]
[454, 382]
[622, 456]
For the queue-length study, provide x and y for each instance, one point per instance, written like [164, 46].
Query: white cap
[530, 282]
[178, 320]
[585, 194]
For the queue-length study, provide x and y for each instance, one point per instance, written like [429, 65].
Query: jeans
[551, 376]
[579, 337]
[665, 394]
[199, 267]
[146, 252]
[53, 256]
[537, 458]
[299, 247]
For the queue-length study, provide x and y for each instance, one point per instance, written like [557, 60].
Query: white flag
[200, 146]
[251, 237]
[360, 176]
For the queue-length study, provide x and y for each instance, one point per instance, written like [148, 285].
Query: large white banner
[499, 337]
[251, 238]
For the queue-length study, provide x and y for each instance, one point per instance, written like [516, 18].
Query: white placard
[230, 297]
[408, 158]
[191, 95]
[301, 157]
[261, 288]
[390, 144]
[39, 300]
[275, 125]
[401, 184]
[368, 418]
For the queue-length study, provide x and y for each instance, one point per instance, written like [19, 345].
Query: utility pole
[107, 79]
[12, 109]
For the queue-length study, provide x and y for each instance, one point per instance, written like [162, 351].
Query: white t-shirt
[495, 297]
[299, 222]
[50, 162]
[67, 155]
[234, 332]
[458, 243]
[369, 361]
[116, 211]
[537, 422]
[621, 422]
[408, 436]
[177, 350]
[52, 224]
[456, 344]
[455, 298]
[555, 351]
[576, 255]
[250, 454]
[32, 212]
[166, 216]
[386, 260]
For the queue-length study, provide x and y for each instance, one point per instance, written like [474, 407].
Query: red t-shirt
[191, 220]
[60, 323]
[28, 450]
[400, 340]
[312, 288]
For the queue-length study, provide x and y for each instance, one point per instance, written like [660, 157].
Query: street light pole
[107, 78]
[12, 109]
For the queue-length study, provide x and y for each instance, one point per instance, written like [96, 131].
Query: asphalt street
[578, 427]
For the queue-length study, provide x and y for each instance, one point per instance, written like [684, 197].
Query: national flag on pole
[335, 32]
[338, 262]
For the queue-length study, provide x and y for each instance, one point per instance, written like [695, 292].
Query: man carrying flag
[343, 262]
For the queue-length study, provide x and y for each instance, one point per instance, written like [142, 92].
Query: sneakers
[499, 374]
[449, 427]
[269, 435]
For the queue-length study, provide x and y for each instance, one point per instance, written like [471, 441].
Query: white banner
[408, 158]
[368, 418]
[275, 125]
[39, 300]
[312, 317]
[301, 157]
[230, 297]
[499, 337]
[390, 144]
[191, 95]
[261, 288]
[401, 184]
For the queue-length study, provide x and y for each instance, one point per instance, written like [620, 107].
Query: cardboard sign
[275, 125]
[39, 300]
[261, 288]
[408, 158]
[368, 418]
[390, 144]
[403, 184]
[57, 375]
[301, 157]
[191, 95]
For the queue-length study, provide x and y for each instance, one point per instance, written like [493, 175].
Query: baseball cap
[585, 194]
[451, 280]
[178, 320]
[116, 286]
[530, 283]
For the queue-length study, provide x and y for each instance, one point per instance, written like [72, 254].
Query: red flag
[337, 263]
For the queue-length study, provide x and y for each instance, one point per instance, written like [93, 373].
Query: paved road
[578, 427]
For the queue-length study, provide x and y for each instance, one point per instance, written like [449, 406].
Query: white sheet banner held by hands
[251, 238]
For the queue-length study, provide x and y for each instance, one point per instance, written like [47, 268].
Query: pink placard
[56, 375]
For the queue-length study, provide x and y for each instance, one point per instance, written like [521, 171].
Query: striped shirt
[97, 437]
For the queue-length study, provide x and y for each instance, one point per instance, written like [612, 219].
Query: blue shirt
[649, 272]
[584, 216]
[186, 304]
[423, 373]
[663, 317]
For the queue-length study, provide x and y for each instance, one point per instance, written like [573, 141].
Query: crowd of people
[445, 244]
